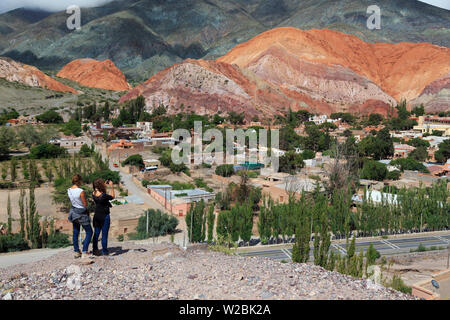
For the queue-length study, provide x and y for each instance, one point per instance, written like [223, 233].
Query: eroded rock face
[95, 74]
[321, 71]
[14, 71]
[436, 96]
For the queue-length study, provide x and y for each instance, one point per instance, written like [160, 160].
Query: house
[71, 142]
[178, 202]
[402, 150]
[428, 124]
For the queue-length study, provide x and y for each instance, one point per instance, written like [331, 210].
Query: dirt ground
[417, 267]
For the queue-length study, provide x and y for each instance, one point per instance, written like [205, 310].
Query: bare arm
[112, 193]
[83, 199]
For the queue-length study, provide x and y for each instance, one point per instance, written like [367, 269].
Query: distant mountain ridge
[143, 37]
[322, 71]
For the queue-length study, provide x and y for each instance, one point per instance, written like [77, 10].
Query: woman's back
[75, 197]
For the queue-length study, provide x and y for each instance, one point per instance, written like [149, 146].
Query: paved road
[385, 247]
[11, 259]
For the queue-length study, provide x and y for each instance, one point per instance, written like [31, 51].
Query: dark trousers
[104, 229]
[76, 234]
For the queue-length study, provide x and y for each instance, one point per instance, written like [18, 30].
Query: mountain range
[320, 70]
[143, 37]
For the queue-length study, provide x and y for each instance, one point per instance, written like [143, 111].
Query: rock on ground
[164, 271]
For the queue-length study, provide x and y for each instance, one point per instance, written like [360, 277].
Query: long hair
[77, 180]
[99, 184]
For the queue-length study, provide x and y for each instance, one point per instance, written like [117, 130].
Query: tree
[246, 221]
[374, 170]
[22, 213]
[8, 209]
[72, 127]
[85, 151]
[225, 170]
[291, 162]
[409, 164]
[443, 153]
[375, 119]
[195, 221]
[106, 111]
[235, 118]
[300, 250]
[134, 160]
[47, 151]
[211, 219]
[418, 110]
[50, 116]
[6, 140]
[419, 154]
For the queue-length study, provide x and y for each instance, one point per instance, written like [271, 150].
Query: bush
[120, 238]
[58, 240]
[159, 224]
[372, 255]
[225, 170]
[398, 284]
[374, 170]
[393, 175]
[134, 160]
[50, 116]
[12, 243]
[47, 151]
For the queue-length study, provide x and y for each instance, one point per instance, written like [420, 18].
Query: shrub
[12, 243]
[120, 238]
[47, 151]
[225, 170]
[393, 175]
[374, 170]
[58, 240]
[159, 224]
[398, 284]
[134, 160]
[50, 116]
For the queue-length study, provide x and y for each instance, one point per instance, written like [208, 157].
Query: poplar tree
[8, 209]
[22, 213]
[211, 219]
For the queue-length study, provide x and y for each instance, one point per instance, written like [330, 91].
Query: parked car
[115, 165]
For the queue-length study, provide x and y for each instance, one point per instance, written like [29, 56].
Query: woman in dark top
[101, 217]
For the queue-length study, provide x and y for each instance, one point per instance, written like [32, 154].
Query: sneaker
[86, 255]
[77, 255]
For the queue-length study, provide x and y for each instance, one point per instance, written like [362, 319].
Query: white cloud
[438, 3]
[48, 5]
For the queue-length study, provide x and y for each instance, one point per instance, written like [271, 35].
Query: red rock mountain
[321, 71]
[95, 74]
[18, 72]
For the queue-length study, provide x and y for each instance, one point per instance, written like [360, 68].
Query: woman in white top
[79, 216]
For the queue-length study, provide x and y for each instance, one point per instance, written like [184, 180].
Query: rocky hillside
[143, 37]
[13, 71]
[322, 71]
[95, 74]
[165, 271]
[435, 96]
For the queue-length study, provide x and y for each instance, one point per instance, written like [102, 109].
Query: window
[281, 198]
[125, 230]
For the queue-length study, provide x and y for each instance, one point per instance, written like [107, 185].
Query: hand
[111, 183]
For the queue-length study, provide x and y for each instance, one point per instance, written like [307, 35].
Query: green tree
[6, 140]
[8, 210]
[225, 170]
[50, 116]
[443, 153]
[291, 162]
[374, 170]
[211, 220]
[22, 212]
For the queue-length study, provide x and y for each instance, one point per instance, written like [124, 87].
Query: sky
[59, 5]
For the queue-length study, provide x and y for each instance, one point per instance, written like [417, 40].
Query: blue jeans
[104, 230]
[76, 234]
